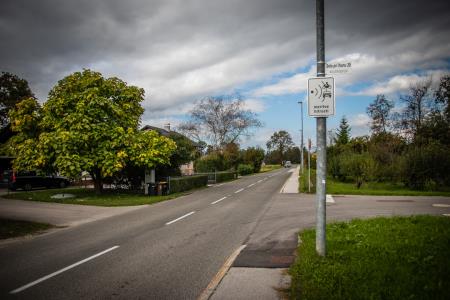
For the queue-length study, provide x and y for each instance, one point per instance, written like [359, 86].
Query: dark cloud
[180, 50]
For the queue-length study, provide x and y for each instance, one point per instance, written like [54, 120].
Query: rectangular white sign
[321, 92]
[338, 68]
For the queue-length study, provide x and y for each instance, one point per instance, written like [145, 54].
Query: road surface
[173, 249]
[170, 250]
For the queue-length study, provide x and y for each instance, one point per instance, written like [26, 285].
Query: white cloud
[401, 83]
[291, 85]
[360, 124]
[255, 105]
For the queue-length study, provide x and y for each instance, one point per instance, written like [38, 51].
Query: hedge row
[245, 169]
[181, 184]
[225, 176]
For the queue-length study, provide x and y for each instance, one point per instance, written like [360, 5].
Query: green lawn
[381, 258]
[377, 188]
[88, 197]
[267, 168]
[13, 228]
[335, 187]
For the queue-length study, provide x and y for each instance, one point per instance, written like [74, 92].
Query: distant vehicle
[30, 180]
[287, 164]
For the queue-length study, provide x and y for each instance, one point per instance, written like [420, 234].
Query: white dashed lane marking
[180, 218]
[441, 205]
[217, 201]
[62, 270]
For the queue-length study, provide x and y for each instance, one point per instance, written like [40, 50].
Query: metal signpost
[301, 143]
[309, 165]
[321, 104]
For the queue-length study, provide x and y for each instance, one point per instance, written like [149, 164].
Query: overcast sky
[180, 51]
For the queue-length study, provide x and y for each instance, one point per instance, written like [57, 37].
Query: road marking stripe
[207, 293]
[61, 271]
[329, 199]
[182, 217]
[238, 191]
[217, 201]
[260, 181]
[441, 205]
[219, 185]
[447, 215]
[251, 185]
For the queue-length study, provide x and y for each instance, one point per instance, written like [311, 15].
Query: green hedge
[180, 184]
[245, 169]
[225, 176]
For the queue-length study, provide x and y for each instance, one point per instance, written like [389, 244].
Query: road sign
[338, 68]
[321, 92]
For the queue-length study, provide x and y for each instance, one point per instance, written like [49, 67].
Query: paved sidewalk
[259, 283]
[291, 185]
[57, 214]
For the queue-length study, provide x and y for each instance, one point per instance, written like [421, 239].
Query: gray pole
[321, 138]
[301, 144]
[309, 165]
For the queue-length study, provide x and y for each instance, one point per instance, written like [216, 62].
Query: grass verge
[335, 187]
[303, 182]
[14, 228]
[381, 258]
[377, 188]
[88, 197]
[268, 168]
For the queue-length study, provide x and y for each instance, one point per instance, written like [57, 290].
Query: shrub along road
[172, 249]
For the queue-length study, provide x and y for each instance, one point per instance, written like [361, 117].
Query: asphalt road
[170, 250]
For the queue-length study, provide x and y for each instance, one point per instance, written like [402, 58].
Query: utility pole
[301, 144]
[321, 123]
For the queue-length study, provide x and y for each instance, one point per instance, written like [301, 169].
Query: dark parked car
[29, 180]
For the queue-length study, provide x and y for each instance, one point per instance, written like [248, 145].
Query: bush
[225, 176]
[210, 163]
[358, 167]
[426, 167]
[253, 156]
[180, 184]
[245, 169]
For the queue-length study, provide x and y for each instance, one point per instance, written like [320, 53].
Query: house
[187, 168]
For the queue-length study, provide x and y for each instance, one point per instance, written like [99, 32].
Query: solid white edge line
[212, 286]
[61, 271]
[217, 201]
[182, 217]
[238, 191]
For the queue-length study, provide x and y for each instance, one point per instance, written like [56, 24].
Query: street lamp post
[301, 143]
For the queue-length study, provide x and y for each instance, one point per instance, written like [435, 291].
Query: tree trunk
[98, 186]
[98, 182]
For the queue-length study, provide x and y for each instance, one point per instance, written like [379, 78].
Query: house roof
[167, 133]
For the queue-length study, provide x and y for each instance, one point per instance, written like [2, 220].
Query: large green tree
[280, 141]
[12, 90]
[89, 123]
